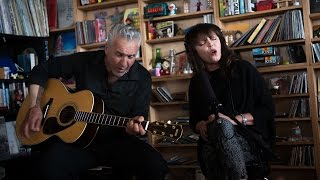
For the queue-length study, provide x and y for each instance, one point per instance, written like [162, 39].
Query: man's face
[120, 56]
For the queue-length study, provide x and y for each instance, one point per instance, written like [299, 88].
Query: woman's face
[209, 49]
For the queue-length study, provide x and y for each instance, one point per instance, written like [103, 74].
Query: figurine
[180, 31]
[169, 32]
[172, 9]
[199, 4]
[165, 70]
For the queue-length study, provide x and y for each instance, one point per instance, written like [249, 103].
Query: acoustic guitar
[76, 117]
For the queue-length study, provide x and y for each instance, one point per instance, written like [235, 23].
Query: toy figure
[169, 32]
[199, 4]
[172, 9]
[165, 70]
[180, 31]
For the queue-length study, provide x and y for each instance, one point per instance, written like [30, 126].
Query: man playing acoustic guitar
[123, 86]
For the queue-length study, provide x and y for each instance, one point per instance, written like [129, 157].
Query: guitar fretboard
[104, 119]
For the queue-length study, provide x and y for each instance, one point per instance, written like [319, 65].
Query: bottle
[172, 58]
[158, 56]
[296, 133]
[157, 69]
[186, 6]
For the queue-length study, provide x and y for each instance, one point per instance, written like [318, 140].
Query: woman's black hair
[192, 38]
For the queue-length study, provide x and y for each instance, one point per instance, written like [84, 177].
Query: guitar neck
[104, 119]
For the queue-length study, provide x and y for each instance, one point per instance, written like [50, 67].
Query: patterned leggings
[226, 155]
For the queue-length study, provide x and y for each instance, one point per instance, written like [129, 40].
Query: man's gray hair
[124, 31]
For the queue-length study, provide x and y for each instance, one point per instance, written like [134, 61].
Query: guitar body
[59, 121]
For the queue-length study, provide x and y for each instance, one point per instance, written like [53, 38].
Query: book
[163, 95]
[257, 30]
[64, 13]
[14, 143]
[52, 13]
[222, 7]
[265, 51]
[158, 96]
[64, 43]
[267, 60]
[131, 17]
[296, 54]
[314, 6]
[263, 32]
[165, 29]
[198, 5]
[243, 39]
[4, 144]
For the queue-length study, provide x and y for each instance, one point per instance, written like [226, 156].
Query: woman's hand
[201, 127]
[134, 126]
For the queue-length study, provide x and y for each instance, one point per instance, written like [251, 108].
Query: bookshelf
[28, 33]
[309, 123]
[175, 83]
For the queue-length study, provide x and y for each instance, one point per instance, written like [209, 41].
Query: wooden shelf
[155, 1]
[184, 166]
[290, 95]
[286, 167]
[281, 43]
[315, 16]
[182, 16]
[171, 77]
[173, 145]
[292, 119]
[168, 103]
[71, 28]
[106, 4]
[165, 40]
[315, 40]
[93, 46]
[284, 67]
[258, 14]
[294, 143]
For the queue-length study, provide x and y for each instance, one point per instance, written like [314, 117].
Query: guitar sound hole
[67, 114]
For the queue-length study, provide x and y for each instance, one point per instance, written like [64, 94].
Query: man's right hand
[32, 122]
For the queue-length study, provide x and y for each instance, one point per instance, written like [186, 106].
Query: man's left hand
[134, 126]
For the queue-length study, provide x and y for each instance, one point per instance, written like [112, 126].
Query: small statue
[199, 4]
[180, 31]
[172, 9]
[165, 70]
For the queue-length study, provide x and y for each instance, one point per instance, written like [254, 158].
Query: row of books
[10, 146]
[316, 52]
[302, 156]
[91, 31]
[235, 7]
[162, 94]
[24, 17]
[286, 84]
[87, 2]
[60, 13]
[12, 95]
[299, 108]
[299, 83]
[288, 26]
[266, 56]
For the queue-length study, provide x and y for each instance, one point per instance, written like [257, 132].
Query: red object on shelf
[265, 5]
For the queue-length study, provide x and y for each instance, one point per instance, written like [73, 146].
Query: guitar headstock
[172, 131]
